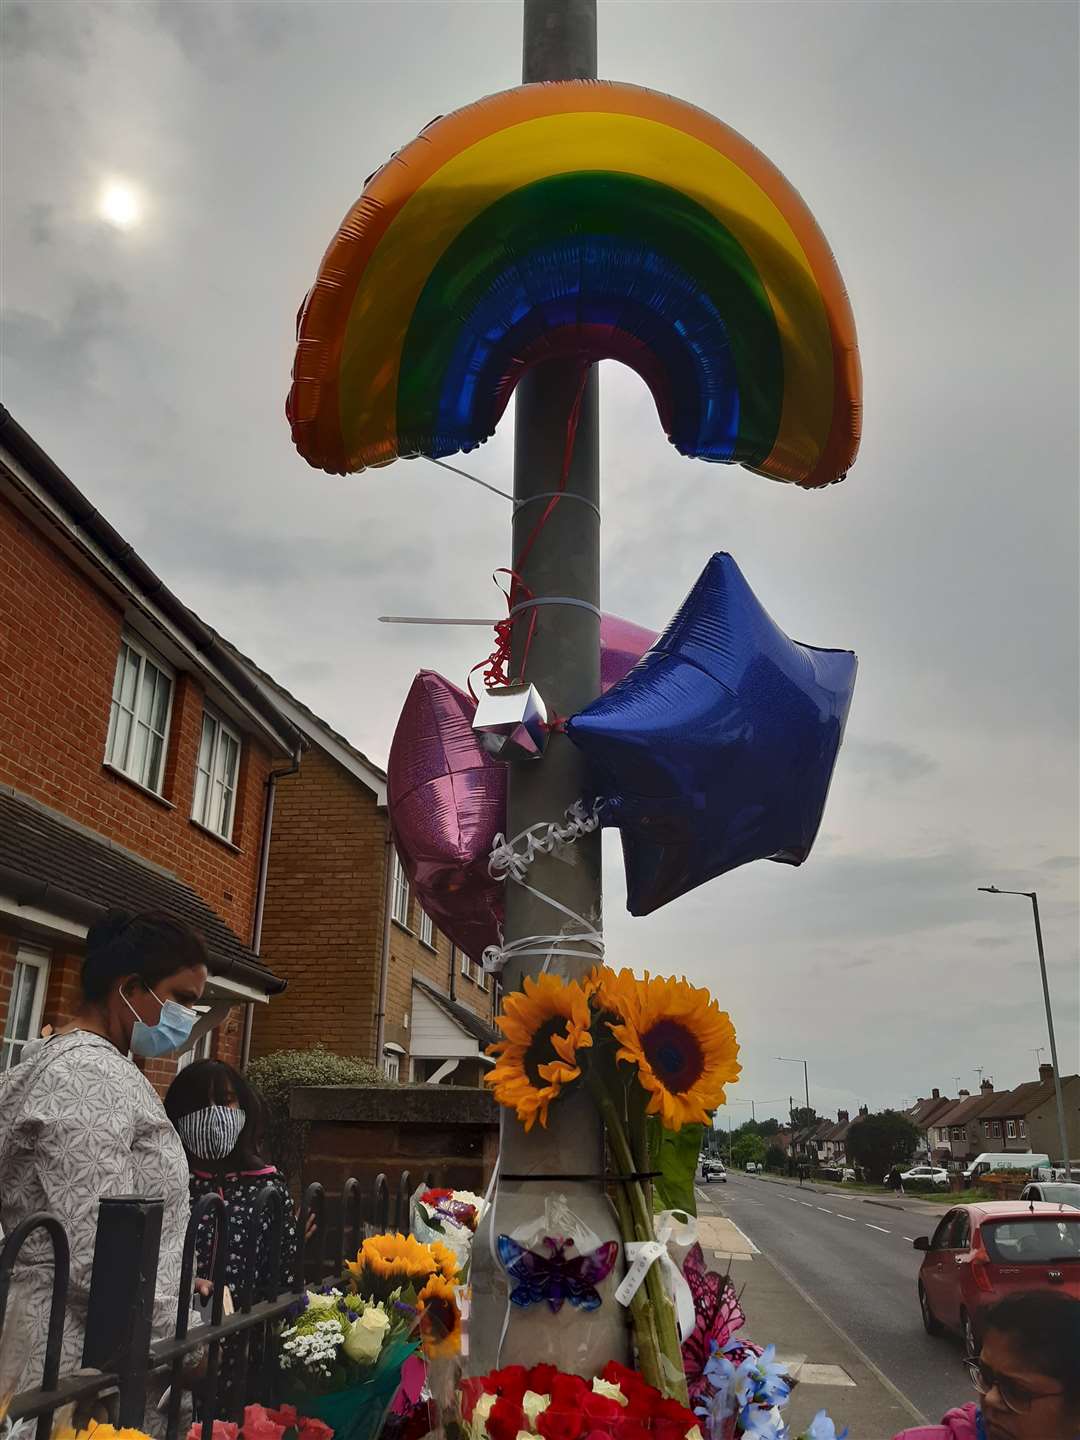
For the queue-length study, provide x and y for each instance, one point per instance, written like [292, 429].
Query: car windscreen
[1033, 1240]
[1061, 1194]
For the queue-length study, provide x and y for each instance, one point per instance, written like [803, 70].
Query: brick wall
[323, 922]
[59, 640]
[323, 913]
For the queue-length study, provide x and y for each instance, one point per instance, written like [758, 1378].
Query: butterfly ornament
[555, 1276]
[718, 1317]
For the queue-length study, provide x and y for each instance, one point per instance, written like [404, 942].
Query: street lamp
[806, 1075]
[1062, 1132]
[753, 1104]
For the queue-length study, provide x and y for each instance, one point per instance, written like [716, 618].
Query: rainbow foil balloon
[579, 219]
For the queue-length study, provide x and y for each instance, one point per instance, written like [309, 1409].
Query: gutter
[260, 893]
[89, 519]
[384, 962]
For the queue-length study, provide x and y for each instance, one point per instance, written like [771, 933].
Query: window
[1010, 1129]
[1023, 1129]
[139, 717]
[958, 1132]
[25, 1004]
[481, 977]
[391, 1064]
[997, 1129]
[215, 776]
[986, 1129]
[400, 901]
[466, 965]
[427, 930]
[199, 1051]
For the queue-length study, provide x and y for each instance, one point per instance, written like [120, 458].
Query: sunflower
[387, 1261]
[681, 1042]
[445, 1259]
[544, 1026]
[440, 1318]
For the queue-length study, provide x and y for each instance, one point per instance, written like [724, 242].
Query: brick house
[136, 760]
[1026, 1118]
[958, 1132]
[924, 1114]
[369, 973]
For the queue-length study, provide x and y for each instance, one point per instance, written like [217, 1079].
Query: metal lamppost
[806, 1074]
[1062, 1131]
[753, 1104]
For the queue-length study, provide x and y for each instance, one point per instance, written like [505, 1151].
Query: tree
[775, 1158]
[878, 1142]
[748, 1148]
[802, 1116]
[768, 1128]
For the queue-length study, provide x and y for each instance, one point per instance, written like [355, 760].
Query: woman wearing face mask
[1027, 1374]
[218, 1117]
[79, 1121]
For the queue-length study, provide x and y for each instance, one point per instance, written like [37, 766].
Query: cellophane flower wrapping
[448, 1217]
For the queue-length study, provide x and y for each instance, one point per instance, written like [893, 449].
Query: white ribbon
[676, 1226]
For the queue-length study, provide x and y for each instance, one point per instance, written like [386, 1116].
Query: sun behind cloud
[120, 204]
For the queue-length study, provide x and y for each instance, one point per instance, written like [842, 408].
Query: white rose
[481, 1411]
[534, 1404]
[365, 1336]
[323, 1302]
[611, 1390]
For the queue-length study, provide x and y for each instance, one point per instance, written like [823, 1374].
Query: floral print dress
[239, 1191]
[78, 1122]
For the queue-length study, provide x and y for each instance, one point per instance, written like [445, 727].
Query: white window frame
[391, 1065]
[466, 965]
[127, 763]
[1010, 1129]
[399, 895]
[27, 958]
[427, 929]
[217, 812]
[199, 1051]
[986, 1129]
[480, 976]
[1023, 1129]
[997, 1129]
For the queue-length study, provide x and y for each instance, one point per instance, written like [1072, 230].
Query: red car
[980, 1253]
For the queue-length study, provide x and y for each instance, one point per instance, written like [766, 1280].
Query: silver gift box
[511, 722]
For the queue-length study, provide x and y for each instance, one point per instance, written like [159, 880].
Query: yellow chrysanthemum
[440, 1318]
[681, 1042]
[544, 1025]
[397, 1258]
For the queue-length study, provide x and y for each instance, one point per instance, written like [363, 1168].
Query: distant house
[958, 1132]
[136, 762]
[834, 1140]
[369, 973]
[924, 1114]
[1026, 1118]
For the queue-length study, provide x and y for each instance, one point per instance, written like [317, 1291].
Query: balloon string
[496, 668]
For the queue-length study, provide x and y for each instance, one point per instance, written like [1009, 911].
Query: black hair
[151, 946]
[213, 1082]
[1046, 1324]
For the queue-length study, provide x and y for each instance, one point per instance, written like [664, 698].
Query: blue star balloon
[718, 747]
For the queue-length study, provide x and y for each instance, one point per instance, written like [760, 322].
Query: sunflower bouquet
[655, 1055]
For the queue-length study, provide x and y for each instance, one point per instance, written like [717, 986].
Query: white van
[987, 1161]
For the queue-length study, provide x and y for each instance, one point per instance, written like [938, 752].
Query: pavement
[830, 1280]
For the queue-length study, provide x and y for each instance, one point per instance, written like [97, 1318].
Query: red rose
[632, 1427]
[432, 1197]
[568, 1390]
[640, 1395]
[601, 1411]
[284, 1415]
[560, 1422]
[223, 1430]
[671, 1421]
[511, 1382]
[541, 1378]
[505, 1420]
[312, 1429]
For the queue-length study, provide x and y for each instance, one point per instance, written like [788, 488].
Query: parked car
[927, 1174]
[713, 1168]
[1053, 1193]
[752, 1167]
[980, 1253]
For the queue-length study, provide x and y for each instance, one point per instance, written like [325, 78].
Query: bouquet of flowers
[448, 1217]
[258, 1423]
[516, 1402]
[746, 1398]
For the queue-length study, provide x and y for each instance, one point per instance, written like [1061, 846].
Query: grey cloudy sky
[937, 145]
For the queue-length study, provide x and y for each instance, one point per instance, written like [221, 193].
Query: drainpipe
[260, 893]
[384, 963]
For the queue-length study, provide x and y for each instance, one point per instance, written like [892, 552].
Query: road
[856, 1262]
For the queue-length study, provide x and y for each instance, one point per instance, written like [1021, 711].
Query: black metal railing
[124, 1370]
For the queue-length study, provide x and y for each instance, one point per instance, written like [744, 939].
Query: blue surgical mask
[174, 1025]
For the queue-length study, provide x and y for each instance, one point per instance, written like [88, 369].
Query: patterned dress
[78, 1121]
[239, 1191]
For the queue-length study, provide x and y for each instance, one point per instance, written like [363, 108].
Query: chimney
[864, 1110]
[842, 1116]
[1046, 1074]
[965, 1095]
[986, 1086]
[936, 1093]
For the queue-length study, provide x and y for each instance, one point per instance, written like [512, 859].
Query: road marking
[792, 1199]
[826, 1212]
[847, 1217]
[700, 1193]
[877, 1227]
[909, 1238]
[807, 1204]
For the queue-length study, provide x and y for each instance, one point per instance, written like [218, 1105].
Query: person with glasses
[1027, 1374]
[79, 1121]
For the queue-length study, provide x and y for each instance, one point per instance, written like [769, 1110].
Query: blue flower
[764, 1422]
[822, 1428]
